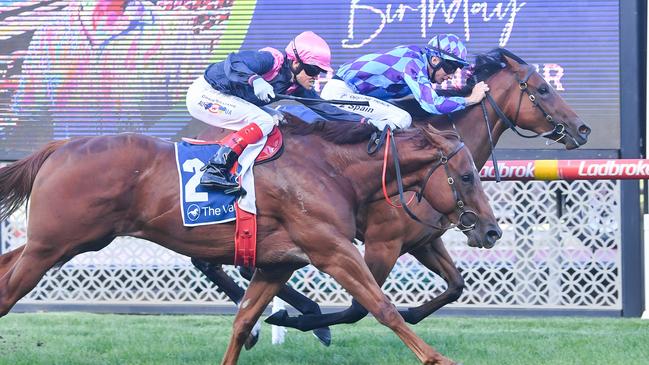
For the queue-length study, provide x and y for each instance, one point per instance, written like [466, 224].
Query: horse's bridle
[559, 130]
[459, 204]
[460, 208]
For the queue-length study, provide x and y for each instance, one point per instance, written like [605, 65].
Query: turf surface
[81, 338]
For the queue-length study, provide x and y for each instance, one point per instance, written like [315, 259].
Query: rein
[559, 128]
[387, 138]
[385, 168]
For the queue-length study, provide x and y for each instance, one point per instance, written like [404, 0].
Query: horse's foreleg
[291, 296]
[224, 282]
[300, 302]
[435, 257]
[380, 257]
[232, 290]
[8, 260]
[263, 287]
[343, 262]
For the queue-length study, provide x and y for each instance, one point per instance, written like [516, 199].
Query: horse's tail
[16, 179]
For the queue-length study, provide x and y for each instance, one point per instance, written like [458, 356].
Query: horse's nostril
[584, 130]
[491, 238]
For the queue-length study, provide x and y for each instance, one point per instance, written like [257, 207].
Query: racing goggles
[451, 66]
[310, 70]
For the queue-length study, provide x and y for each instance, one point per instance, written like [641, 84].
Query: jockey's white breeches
[379, 112]
[223, 110]
[231, 112]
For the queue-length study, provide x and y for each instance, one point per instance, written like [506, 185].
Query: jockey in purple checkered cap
[404, 71]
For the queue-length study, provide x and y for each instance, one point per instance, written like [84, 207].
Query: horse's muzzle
[492, 235]
[577, 137]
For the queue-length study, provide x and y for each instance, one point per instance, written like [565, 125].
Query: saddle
[245, 236]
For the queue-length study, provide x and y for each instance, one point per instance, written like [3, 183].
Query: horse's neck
[363, 171]
[473, 129]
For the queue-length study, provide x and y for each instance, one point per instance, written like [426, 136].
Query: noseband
[459, 204]
[559, 129]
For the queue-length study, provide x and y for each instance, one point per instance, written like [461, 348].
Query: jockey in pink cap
[232, 94]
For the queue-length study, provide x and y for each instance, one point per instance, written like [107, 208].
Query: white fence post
[278, 331]
[645, 314]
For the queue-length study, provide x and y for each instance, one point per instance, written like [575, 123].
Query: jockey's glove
[263, 90]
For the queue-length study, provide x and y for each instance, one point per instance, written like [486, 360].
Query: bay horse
[524, 100]
[85, 192]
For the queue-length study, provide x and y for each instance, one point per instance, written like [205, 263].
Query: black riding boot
[217, 171]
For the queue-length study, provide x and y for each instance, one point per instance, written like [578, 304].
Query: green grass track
[81, 338]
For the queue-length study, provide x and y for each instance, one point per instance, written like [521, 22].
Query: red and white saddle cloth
[245, 236]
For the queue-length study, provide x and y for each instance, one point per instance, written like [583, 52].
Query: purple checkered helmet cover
[451, 48]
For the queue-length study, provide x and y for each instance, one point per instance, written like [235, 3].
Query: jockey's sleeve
[325, 109]
[240, 67]
[423, 91]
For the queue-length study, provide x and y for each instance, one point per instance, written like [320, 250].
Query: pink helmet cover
[311, 49]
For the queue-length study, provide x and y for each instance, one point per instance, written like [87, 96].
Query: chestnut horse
[526, 101]
[85, 192]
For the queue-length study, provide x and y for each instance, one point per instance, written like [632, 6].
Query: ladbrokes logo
[614, 168]
[522, 170]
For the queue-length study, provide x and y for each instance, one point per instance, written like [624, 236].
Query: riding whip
[340, 102]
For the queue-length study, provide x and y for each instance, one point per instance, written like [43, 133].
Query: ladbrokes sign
[567, 170]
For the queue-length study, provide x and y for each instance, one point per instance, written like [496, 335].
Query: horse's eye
[543, 89]
[467, 178]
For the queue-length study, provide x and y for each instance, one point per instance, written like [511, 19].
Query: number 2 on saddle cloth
[201, 206]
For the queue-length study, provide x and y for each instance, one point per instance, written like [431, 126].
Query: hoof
[278, 318]
[251, 341]
[324, 335]
[253, 337]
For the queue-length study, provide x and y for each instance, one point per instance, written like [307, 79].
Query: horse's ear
[512, 63]
[432, 135]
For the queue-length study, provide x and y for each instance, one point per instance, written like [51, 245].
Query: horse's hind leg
[35, 258]
[8, 260]
[32, 264]
[263, 287]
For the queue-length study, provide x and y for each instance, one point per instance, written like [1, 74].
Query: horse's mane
[447, 133]
[332, 131]
[340, 132]
[486, 65]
